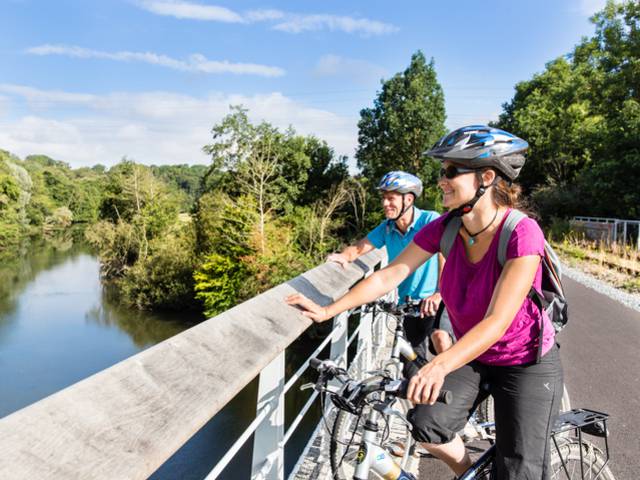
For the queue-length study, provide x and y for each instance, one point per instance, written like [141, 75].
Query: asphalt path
[600, 350]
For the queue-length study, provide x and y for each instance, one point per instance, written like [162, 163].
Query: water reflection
[144, 328]
[57, 325]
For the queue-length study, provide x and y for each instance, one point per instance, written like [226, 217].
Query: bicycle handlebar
[361, 390]
[394, 308]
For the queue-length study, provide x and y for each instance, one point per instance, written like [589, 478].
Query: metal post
[624, 233]
[615, 231]
[339, 342]
[364, 340]
[268, 446]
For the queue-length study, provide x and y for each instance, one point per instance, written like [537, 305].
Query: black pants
[527, 400]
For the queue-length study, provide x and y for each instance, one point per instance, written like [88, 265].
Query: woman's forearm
[369, 289]
[473, 344]
[510, 291]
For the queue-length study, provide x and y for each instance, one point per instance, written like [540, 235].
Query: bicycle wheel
[344, 444]
[569, 450]
[485, 412]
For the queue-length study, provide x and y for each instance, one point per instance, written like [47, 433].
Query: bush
[164, 278]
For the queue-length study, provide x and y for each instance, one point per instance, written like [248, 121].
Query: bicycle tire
[485, 411]
[593, 460]
[342, 465]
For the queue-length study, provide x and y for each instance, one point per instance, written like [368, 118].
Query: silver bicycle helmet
[401, 182]
[478, 146]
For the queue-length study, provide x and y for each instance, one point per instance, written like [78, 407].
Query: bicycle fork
[373, 457]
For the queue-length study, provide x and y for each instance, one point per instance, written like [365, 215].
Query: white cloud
[360, 71]
[192, 11]
[150, 127]
[47, 97]
[264, 15]
[194, 63]
[303, 23]
[4, 105]
[287, 21]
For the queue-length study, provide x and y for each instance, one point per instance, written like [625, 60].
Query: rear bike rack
[579, 421]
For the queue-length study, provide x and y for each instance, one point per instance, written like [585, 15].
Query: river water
[58, 326]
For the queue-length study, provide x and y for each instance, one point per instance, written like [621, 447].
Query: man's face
[392, 204]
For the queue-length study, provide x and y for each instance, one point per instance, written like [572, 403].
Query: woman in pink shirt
[496, 322]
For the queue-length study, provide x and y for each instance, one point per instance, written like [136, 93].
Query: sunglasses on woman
[453, 171]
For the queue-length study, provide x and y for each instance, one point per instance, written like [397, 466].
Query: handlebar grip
[315, 363]
[445, 396]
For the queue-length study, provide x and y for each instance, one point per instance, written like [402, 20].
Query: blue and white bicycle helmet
[401, 182]
[478, 146]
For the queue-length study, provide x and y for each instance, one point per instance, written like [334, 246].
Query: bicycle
[483, 419]
[571, 455]
[346, 431]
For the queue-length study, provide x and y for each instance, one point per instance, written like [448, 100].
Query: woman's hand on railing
[309, 308]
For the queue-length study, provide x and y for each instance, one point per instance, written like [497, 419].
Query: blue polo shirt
[424, 281]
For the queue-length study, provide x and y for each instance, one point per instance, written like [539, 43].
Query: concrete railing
[127, 420]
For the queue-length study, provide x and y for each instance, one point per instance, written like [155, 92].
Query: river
[58, 325]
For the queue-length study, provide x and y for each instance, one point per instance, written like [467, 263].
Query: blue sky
[91, 82]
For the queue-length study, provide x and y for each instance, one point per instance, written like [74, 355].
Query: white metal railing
[270, 438]
[616, 224]
[268, 426]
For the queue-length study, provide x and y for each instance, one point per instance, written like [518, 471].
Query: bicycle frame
[373, 457]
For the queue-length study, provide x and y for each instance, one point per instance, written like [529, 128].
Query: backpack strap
[541, 303]
[508, 227]
[451, 229]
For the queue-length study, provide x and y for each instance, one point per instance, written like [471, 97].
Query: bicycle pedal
[420, 451]
[396, 448]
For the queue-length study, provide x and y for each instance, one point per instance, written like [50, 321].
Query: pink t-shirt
[467, 289]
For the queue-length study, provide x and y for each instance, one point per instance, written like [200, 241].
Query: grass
[615, 264]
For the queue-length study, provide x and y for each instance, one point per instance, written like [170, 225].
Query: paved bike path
[600, 351]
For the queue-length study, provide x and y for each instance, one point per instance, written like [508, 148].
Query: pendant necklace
[472, 237]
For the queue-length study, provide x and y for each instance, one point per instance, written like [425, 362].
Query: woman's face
[458, 190]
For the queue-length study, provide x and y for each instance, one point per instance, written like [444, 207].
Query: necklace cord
[474, 235]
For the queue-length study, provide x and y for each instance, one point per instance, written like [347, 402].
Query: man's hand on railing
[309, 308]
[338, 258]
[429, 306]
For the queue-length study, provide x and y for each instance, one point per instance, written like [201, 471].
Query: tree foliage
[271, 198]
[581, 116]
[406, 120]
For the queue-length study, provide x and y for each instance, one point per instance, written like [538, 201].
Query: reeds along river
[58, 325]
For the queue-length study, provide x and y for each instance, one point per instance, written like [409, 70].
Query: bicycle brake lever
[388, 411]
[307, 386]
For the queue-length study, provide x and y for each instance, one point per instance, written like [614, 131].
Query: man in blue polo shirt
[403, 220]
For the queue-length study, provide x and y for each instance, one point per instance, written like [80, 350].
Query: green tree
[406, 120]
[15, 194]
[581, 116]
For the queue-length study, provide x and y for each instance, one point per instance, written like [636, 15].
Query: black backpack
[552, 298]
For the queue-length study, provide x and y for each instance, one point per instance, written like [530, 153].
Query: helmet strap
[404, 209]
[467, 207]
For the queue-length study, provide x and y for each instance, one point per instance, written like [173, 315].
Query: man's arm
[350, 253]
[429, 306]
